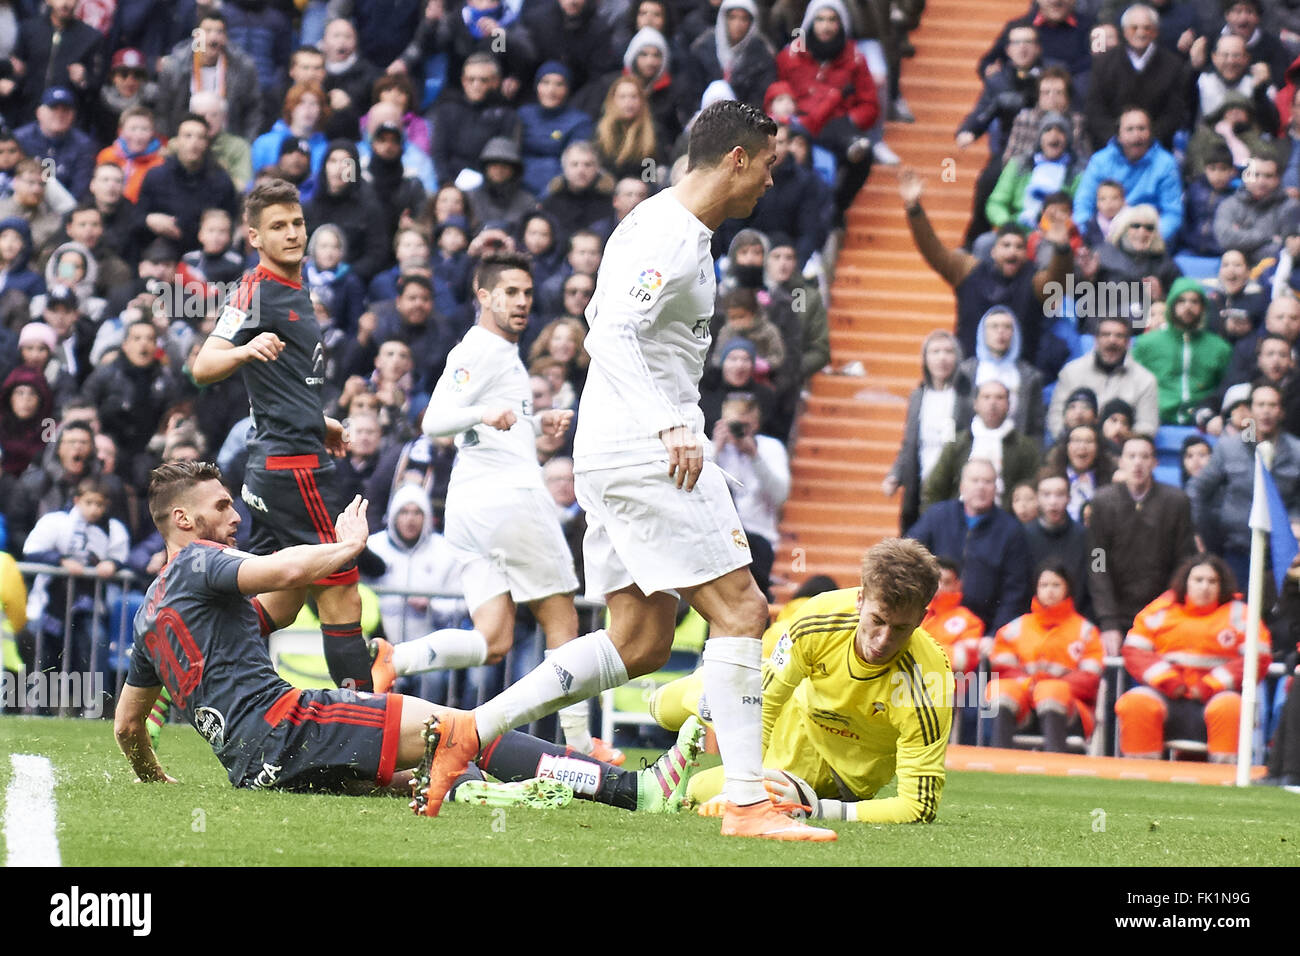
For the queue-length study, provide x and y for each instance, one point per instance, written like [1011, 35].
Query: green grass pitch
[984, 819]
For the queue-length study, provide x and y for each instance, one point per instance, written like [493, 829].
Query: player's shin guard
[347, 656]
[734, 687]
[580, 669]
[515, 756]
[446, 649]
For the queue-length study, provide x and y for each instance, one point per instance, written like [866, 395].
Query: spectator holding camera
[761, 467]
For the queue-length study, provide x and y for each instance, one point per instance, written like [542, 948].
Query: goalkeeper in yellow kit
[854, 692]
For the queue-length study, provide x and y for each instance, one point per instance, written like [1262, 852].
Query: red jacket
[820, 87]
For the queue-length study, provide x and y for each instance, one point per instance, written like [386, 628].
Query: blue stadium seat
[1197, 267]
[823, 161]
[1169, 438]
[1169, 475]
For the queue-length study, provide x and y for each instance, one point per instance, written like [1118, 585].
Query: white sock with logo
[447, 649]
[575, 721]
[733, 684]
[580, 669]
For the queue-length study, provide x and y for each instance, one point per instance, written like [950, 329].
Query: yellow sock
[705, 785]
[671, 704]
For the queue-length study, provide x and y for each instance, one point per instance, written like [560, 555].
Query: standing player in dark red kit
[268, 328]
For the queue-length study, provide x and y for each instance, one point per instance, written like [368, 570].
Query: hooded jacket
[907, 466]
[22, 440]
[18, 276]
[427, 565]
[1023, 380]
[841, 86]
[749, 66]
[91, 305]
[1188, 365]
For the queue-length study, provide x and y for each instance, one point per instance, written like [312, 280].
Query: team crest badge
[738, 539]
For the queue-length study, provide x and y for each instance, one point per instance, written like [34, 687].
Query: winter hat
[1083, 395]
[744, 345]
[1117, 406]
[38, 332]
[553, 66]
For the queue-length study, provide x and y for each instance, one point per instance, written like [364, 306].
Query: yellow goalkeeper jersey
[846, 726]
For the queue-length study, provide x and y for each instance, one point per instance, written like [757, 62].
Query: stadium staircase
[884, 301]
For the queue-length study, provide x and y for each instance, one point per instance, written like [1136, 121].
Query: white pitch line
[29, 819]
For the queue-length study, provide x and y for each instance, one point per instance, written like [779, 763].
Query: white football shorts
[508, 540]
[643, 530]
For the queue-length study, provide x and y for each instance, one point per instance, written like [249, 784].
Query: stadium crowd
[1128, 279]
[1081, 446]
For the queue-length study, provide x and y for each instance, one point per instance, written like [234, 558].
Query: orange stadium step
[884, 301]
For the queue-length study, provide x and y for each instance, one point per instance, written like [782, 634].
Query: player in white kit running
[500, 519]
[660, 520]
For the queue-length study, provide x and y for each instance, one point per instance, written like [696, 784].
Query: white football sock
[733, 683]
[580, 669]
[575, 721]
[447, 649]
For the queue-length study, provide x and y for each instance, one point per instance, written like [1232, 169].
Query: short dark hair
[1011, 228]
[86, 205]
[1265, 153]
[1256, 385]
[1048, 473]
[1227, 580]
[1056, 73]
[209, 11]
[414, 278]
[276, 192]
[1140, 436]
[305, 48]
[493, 264]
[192, 117]
[1270, 337]
[1134, 108]
[721, 127]
[169, 482]
[1058, 568]
[76, 426]
[90, 485]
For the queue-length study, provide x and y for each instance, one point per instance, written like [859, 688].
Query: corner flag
[1268, 514]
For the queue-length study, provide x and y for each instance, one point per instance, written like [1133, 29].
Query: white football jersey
[484, 371]
[649, 335]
